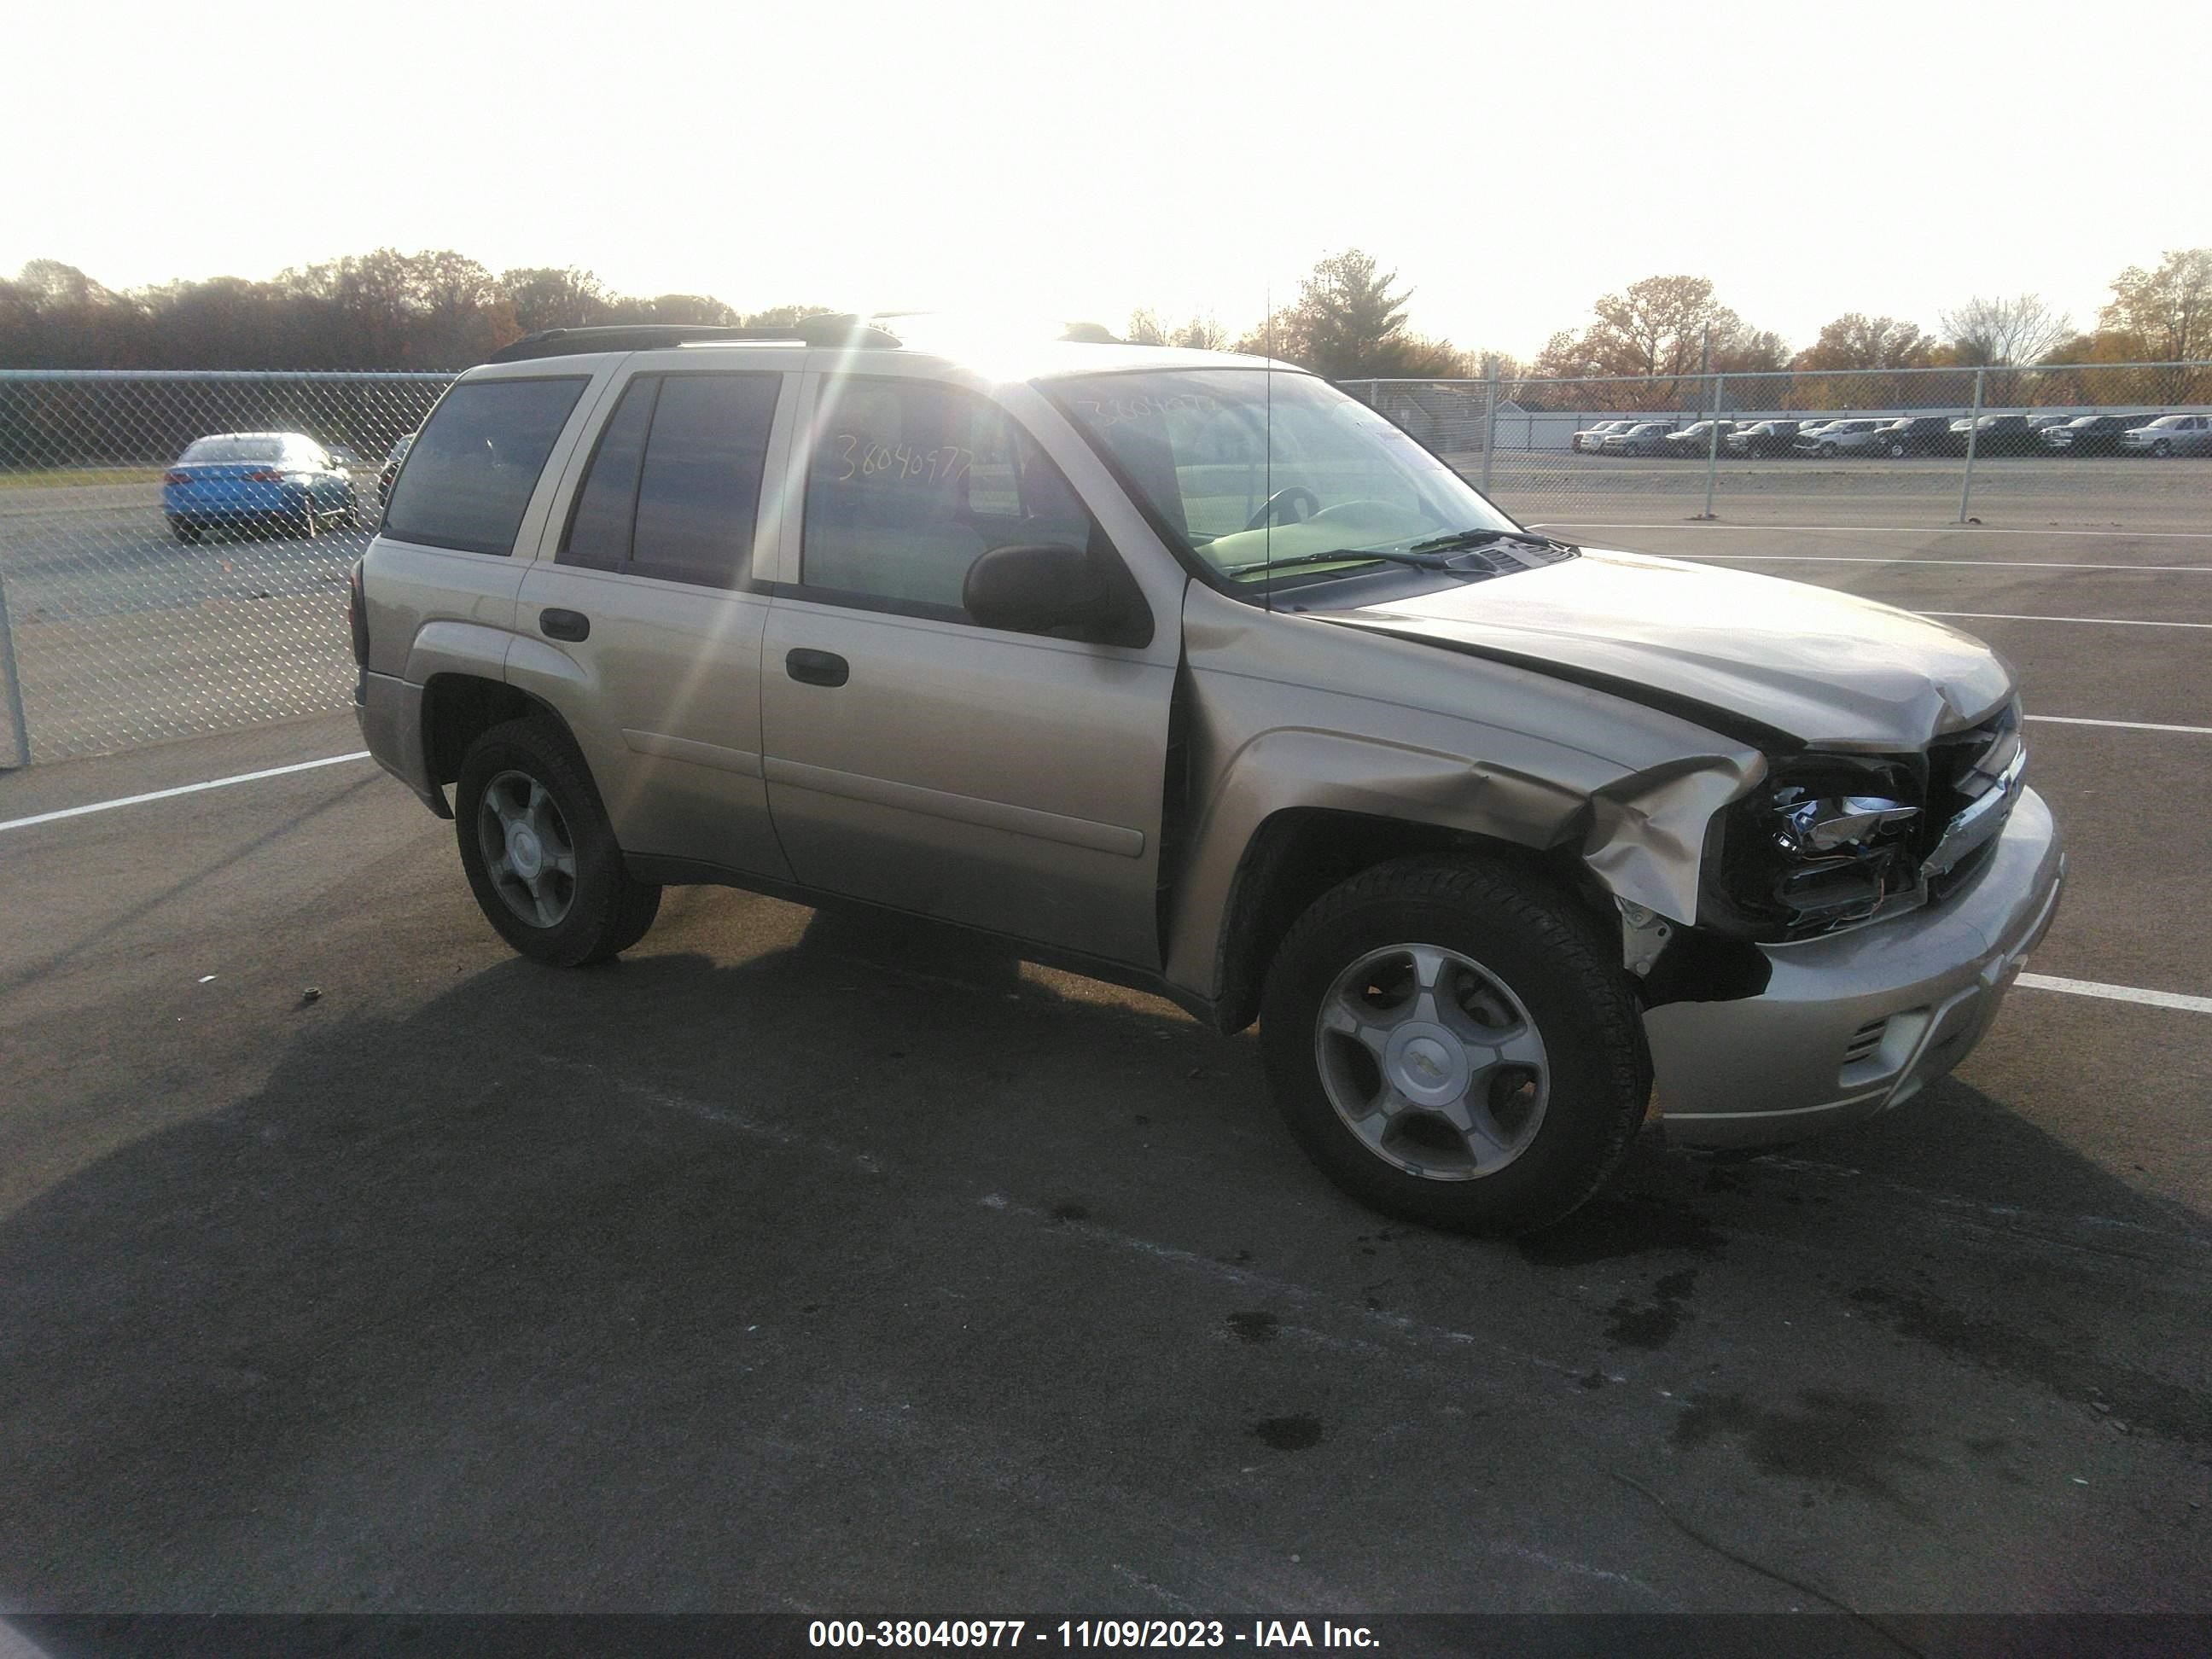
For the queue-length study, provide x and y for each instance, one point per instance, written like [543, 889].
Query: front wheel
[1454, 1043]
[1827, 452]
[2162, 449]
[539, 853]
[1896, 449]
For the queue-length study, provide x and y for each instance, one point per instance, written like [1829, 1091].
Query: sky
[1510, 161]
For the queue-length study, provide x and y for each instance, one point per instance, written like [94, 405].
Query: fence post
[1973, 433]
[1713, 444]
[14, 685]
[1489, 420]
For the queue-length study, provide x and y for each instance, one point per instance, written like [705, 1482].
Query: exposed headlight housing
[1830, 841]
[1827, 841]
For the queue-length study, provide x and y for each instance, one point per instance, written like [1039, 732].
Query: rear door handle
[818, 667]
[558, 625]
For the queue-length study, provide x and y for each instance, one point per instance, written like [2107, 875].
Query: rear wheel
[1453, 1043]
[539, 853]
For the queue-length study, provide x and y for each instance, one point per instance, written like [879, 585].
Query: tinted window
[470, 474]
[910, 483]
[698, 492]
[606, 506]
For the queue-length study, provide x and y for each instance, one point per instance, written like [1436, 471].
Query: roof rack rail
[823, 330]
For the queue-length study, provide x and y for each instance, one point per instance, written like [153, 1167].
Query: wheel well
[1301, 853]
[457, 709]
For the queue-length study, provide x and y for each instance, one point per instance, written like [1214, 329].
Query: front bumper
[1852, 1025]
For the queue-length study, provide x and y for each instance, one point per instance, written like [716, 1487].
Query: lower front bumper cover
[1908, 998]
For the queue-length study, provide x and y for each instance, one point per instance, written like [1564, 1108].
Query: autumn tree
[1660, 331]
[2164, 315]
[1855, 340]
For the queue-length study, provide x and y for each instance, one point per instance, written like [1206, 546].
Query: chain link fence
[131, 612]
[2029, 448]
[126, 621]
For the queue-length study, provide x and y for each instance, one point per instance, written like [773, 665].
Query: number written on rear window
[469, 477]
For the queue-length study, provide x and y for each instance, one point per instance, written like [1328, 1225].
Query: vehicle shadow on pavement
[874, 1263]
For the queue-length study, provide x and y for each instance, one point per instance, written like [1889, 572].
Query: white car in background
[1841, 438]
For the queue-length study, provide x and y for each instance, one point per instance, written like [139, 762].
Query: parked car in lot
[390, 468]
[240, 480]
[1591, 437]
[1642, 438]
[1853, 437]
[1693, 441]
[2040, 424]
[1494, 835]
[2090, 435]
[1914, 435]
[1994, 435]
[2170, 435]
[1763, 438]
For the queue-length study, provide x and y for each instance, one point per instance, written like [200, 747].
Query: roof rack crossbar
[823, 330]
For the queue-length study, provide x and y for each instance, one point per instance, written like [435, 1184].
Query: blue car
[240, 480]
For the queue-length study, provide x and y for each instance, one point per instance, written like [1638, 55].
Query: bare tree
[1999, 333]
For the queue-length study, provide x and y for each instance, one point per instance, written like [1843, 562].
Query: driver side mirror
[1040, 587]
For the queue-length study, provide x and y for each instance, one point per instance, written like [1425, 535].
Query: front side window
[910, 482]
[1247, 467]
[469, 477]
[673, 489]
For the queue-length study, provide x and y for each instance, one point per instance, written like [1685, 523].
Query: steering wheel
[1285, 497]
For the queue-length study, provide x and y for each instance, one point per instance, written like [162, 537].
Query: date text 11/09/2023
[1069, 1633]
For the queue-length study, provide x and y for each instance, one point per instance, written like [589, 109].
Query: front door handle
[818, 667]
[558, 625]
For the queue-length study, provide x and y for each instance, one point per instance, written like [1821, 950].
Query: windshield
[1195, 444]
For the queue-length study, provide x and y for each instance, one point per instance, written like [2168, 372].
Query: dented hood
[1823, 667]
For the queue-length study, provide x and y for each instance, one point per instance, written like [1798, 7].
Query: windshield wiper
[1419, 561]
[1467, 538]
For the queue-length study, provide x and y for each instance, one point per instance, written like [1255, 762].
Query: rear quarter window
[470, 473]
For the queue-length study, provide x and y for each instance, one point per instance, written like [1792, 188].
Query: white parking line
[2124, 726]
[1887, 530]
[1903, 562]
[2089, 988]
[182, 789]
[2109, 621]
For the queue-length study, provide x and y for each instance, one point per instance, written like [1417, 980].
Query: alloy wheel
[1433, 1061]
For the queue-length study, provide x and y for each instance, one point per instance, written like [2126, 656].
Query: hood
[1740, 651]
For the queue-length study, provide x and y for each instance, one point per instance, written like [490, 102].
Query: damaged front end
[1833, 841]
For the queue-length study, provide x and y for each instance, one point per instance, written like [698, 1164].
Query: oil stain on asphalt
[1634, 1324]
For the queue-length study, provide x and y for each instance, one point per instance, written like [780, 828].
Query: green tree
[546, 296]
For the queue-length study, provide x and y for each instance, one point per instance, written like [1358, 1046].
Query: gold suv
[1191, 673]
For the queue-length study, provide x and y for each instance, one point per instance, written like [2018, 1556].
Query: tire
[2162, 449]
[1827, 452]
[185, 530]
[1560, 1110]
[1896, 449]
[528, 771]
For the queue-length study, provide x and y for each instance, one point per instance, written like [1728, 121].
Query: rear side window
[673, 489]
[470, 474]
